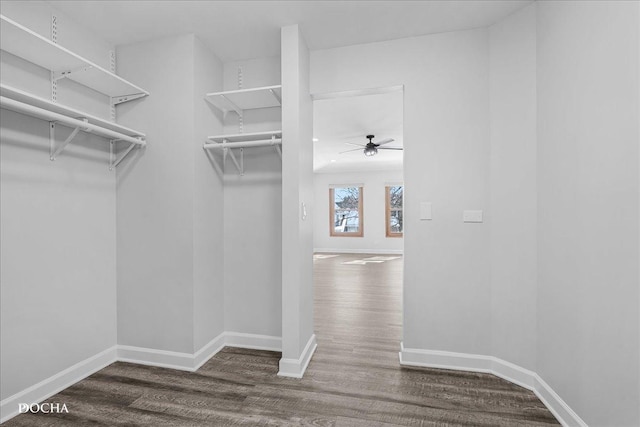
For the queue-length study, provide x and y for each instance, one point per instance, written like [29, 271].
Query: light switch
[425, 211]
[472, 216]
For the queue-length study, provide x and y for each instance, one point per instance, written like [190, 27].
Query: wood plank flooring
[354, 378]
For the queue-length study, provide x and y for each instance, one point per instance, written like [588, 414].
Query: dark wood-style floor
[354, 378]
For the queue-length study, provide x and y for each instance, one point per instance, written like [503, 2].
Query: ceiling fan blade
[390, 148]
[348, 151]
[357, 145]
[384, 141]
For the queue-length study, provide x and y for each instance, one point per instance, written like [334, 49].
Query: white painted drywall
[57, 222]
[446, 139]
[167, 224]
[252, 243]
[297, 196]
[155, 200]
[513, 214]
[588, 215]
[374, 239]
[252, 212]
[208, 210]
[583, 334]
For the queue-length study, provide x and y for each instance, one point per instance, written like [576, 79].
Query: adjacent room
[340, 213]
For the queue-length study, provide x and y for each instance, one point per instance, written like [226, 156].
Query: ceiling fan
[371, 148]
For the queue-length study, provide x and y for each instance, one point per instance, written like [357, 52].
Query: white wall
[559, 292]
[298, 341]
[252, 212]
[588, 216]
[513, 213]
[57, 222]
[155, 200]
[447, 300]
[374, 239]
[252, 243]
[208, 205]
[169, 214]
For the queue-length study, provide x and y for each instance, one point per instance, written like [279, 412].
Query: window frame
[388, 209]
[332, 230]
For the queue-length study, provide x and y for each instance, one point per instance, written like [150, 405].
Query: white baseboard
[56, 383]
[253, 341]
[208, 351]
[192, 362]
[501, 368]
[444, 360]
[556, 405]
[153, 357]
[514, 373]
[295, 368]
[360, 251]
[139, 355]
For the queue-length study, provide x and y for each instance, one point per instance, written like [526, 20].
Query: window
[345, 212]
[393, 206]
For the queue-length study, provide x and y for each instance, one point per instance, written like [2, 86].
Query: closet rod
[244, 144]
[21, 107]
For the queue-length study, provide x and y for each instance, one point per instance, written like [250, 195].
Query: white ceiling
[236, 30]
[340, 120]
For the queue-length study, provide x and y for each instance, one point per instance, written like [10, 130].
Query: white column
[298, 340]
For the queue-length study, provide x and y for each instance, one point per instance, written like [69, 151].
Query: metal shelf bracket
[114, 161]
[212, 159]
[276, 146]
[275, 95]
[115, 100]
[226, 151]
[233, 106]
[58, 75]
[239, 165]
[53, 151]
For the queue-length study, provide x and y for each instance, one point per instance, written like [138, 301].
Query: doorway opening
[358, 225]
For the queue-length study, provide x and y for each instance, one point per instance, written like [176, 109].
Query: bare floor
[354, 378]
